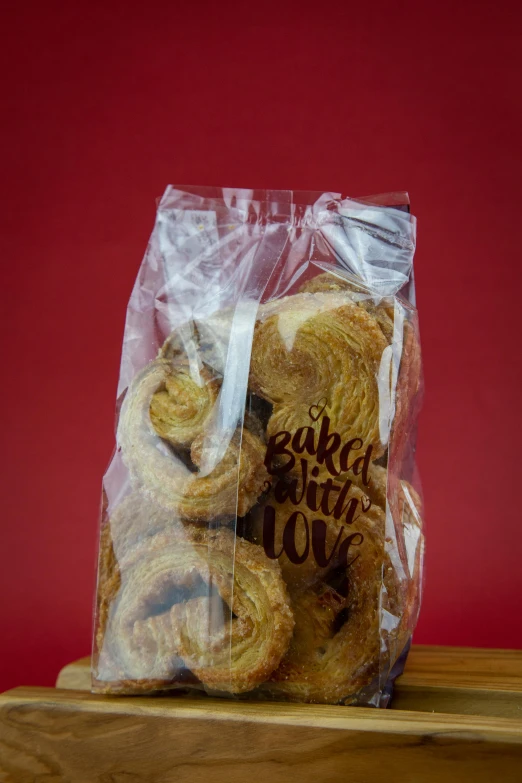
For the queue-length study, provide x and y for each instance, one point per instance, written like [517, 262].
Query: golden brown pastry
[384, 311]
[317, 357]
[335, 594]
[323, 538]
[178, 601]
[359, 294]
[407, 396]
[134, 518]
[204, 340]
[182, 405]
[402, 583]
[188, 598]
[377, 486]
[226, 485]
[336, 643]
[353, 614]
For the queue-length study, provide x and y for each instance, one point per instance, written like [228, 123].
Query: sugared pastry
[311, 544]
[203, 340]
[354, 594]
[258, 537]
[405, 387]
[335, 647]
[219, 481]
[382, 311]
[320, 349]
[408, 394]
[134, 518]
[182, 404]
[189, 598]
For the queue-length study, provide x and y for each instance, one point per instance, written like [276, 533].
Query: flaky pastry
[205, 339]
[409, 377]
[329, 534]
[228, 488]
[382, 310]
[181, 407]
[353, 615]
[310, 348]
[335, 647]
[135, 517]
[189, 598]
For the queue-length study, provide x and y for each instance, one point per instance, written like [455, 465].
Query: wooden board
[461, 680]
[437, 679]
[49, 735]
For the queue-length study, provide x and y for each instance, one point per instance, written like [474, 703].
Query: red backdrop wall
[106, 103]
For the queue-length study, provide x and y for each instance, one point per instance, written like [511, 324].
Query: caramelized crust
[183, 600]
[181, 407]
[352, 624]
[300, 576]
[309, 348]
[408, 384]
[188, 598]
[359, 294]
[335, 649]
[223, 481]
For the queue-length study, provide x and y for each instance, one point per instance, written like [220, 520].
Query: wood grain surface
[425, 663]
[68, 734]
[54, 735]
[463, 666]
[455, 680]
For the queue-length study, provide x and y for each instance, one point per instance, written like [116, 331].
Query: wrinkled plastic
[223, 567]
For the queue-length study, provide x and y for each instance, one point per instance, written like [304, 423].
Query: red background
[106, 103]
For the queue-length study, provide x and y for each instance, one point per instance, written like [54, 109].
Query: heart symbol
[316, 411]
[366, 507]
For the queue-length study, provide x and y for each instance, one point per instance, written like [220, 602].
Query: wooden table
[456, 716]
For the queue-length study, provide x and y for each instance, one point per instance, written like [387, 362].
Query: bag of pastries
[261, 529]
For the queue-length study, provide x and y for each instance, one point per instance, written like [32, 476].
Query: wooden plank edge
[359, 719]
[435, 660]
[501, 697]
[76, 675]
[432, 665]
[464, 700]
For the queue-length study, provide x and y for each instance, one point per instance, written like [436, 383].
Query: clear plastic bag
[261, 532]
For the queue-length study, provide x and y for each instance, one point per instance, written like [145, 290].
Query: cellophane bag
[261, 531]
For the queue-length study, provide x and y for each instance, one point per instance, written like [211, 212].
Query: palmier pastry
[404, 545]
[136, 517]
[335, 648]
[195, 599]
[404, 570]
[204, 339]
[309, 348]
[225, 489]
[358, 293]
[320, 542]
[409, 377]
[180, 408]
[133, 519]
[353, 614]
[408, 393]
